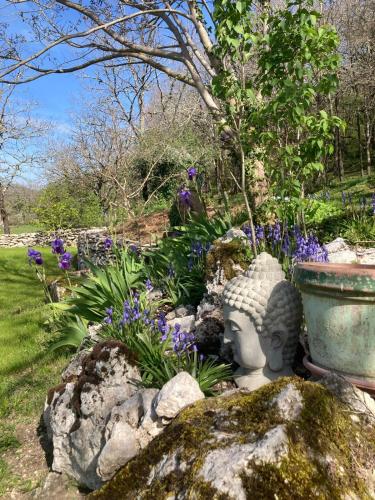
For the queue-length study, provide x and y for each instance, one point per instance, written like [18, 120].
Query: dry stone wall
[41, 238]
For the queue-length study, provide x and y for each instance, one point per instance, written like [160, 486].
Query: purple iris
[192, 172]
[184, 196]
[65, 261]
[108, 243]
[133, 249]
[35, 256]
[58, 246]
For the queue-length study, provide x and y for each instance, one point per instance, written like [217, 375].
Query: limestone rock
[339, 252]
[180, 391]
[76, 412]
[118, 450]
[183, 311]
[243, 445]
[187, 323]
[289, 402]
[74, 368]
[337, 245]
[233, 233]
[131, 426]
[357, 401]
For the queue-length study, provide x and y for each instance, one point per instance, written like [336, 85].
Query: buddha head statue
[263, 315]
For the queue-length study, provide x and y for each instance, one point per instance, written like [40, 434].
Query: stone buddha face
[251, 350]
[262, 313]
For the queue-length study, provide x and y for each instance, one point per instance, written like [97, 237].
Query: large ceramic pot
[339, 308]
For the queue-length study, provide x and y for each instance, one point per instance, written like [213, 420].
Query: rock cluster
[40, 238]
[288, 439]
[339, 252]
[99, 418]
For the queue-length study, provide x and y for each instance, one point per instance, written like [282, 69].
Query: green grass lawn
[27, 370]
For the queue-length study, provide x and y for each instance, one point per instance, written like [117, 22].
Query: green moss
[326, 449]
[235, 252]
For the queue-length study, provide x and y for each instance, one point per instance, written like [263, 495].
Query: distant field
[23, 228]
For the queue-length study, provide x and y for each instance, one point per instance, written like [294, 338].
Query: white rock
[342, 257]
[359, 402]
[337, 245]
[77, 414]
[182, 390]
[222, 468]
[289, 402]
[187, 323]
[167, 465]
[118, 450]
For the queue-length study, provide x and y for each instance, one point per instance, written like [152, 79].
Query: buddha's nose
[226, 339]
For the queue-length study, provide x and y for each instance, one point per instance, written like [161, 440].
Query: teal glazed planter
[339, 309]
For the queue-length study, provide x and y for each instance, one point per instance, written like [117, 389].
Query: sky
[54, 98]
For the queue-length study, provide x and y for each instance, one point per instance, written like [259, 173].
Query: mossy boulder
[289, 439]
[232, 257]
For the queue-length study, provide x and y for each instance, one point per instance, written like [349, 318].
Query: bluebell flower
[149, 285]
[109, 318]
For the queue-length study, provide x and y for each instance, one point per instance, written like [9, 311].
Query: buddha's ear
[278, 339]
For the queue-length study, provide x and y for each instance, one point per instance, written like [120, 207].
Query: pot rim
[365, 383]
[365, 270]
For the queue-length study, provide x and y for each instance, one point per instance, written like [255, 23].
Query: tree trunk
[368, 143]
[3, 213]
[360, 144]
[338, 148]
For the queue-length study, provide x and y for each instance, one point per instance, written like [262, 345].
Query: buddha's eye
[235, 328]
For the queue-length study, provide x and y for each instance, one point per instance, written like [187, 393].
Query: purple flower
[149, 285]
[58, 246]
[285, 244]
[35, 256]
[183, 341]
[192, 172]
[108, 243]
[133, 249]
[309, 249]
[184, 196]
[65, 261]
[197, 248]
[163, 326]
[373, 203]
[109, 318]
[276, 233]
